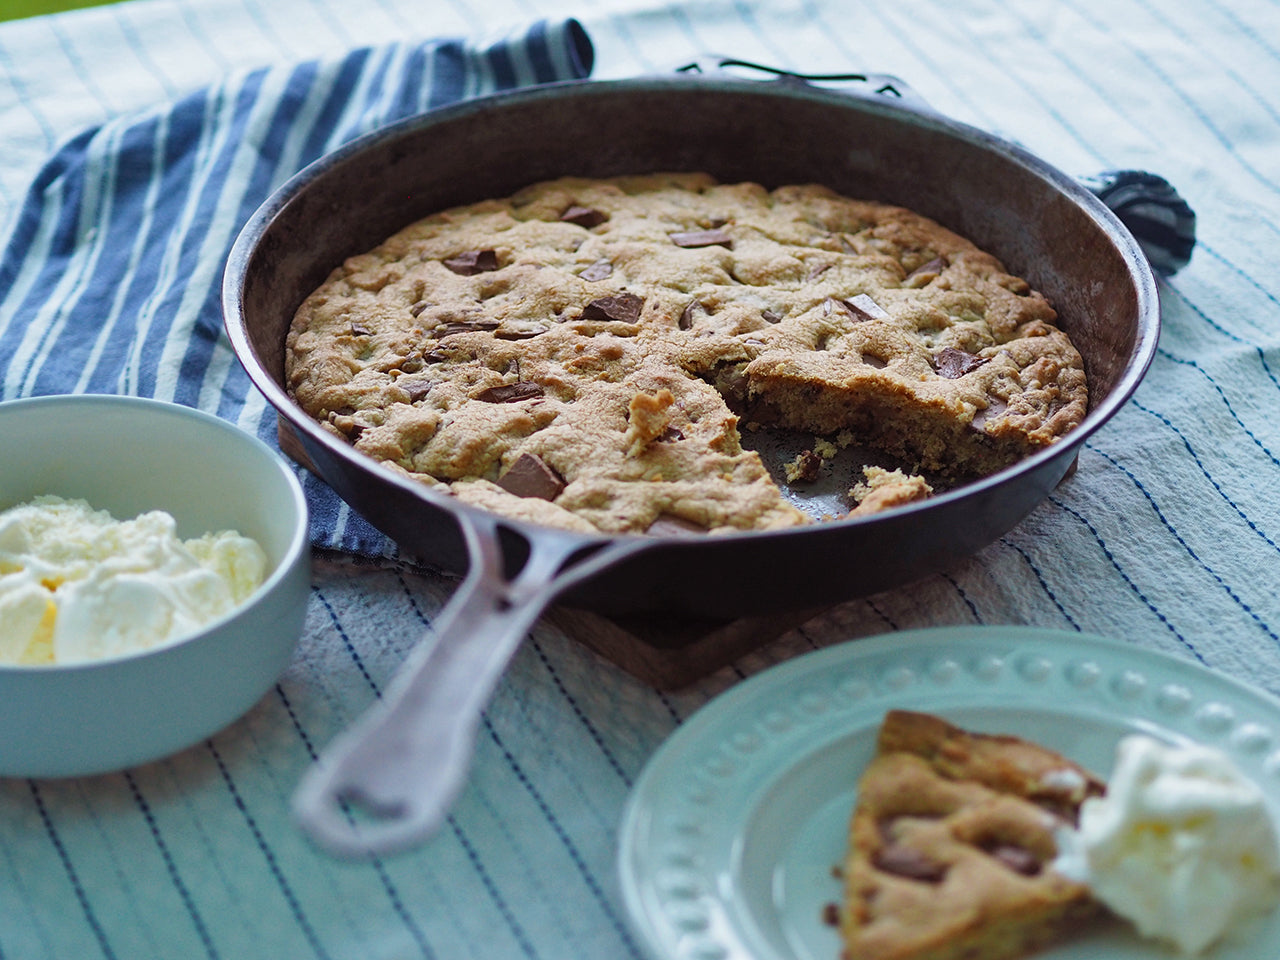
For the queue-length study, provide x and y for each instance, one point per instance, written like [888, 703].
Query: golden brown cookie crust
[951, 845]
[617, 329]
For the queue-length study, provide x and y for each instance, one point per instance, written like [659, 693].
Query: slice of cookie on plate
[951, 845]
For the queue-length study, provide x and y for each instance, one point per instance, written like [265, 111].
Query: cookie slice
[951, 846]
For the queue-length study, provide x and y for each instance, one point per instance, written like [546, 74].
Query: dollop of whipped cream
[1181, 845]
[77, 585]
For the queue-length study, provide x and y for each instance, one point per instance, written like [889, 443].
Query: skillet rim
[1133, 370]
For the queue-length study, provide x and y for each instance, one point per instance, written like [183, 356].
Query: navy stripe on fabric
[591, 729]
[68, 867]
[893, 625]
[491, 888]
[1133, 587]
[973, 609]
[346, 642]
[804, 635]
[269, 856]
[184, 893]
[345, 79]
[1195, 458]
[1044, 585]
[549, 903]
[1259, 350]
[1160, 515]
[1217, 388]
[388, 886]
[593, 885]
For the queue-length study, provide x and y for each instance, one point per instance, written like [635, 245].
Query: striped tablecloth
[137, 138]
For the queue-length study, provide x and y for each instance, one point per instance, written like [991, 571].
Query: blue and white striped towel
[110, 279]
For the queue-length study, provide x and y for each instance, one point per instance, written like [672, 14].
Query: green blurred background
[16, 9]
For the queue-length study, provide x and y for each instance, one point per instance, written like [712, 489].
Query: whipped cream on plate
[78, 585]
[1181, 845]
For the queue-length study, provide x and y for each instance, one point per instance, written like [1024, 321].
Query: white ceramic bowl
[127, 455]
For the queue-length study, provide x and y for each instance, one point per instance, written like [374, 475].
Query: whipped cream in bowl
[78, 585]
[1182, 845]
[154, 577]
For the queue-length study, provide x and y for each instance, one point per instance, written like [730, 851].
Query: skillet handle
[387, 783]
[863, 84]
[1159, 218]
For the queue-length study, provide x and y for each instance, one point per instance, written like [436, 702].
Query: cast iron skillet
[388, 782]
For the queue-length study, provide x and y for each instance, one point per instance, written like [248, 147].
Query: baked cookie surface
[951, 845]
[581, 353]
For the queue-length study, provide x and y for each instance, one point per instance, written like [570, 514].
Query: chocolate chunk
[831, 914]
[435, 356]
[1018, 859]
[770, 317]
[464, 326]
[530, 476]
[584, 216]
[358, 329]
[670, 435]
[521, 333]
[911, 864]
[992, 411]
[686, 315]
[346, 424]
[954, 364]
[924, 273]
[624, 307]
[702, 238]
[417, 308]
[599, 270]
[669, 525]
[473, 261]
[863, 308]
[416, 387]
[511, 392]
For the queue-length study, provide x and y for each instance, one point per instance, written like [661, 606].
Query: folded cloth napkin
[110, 278]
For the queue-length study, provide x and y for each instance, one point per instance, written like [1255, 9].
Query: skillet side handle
[862, 84]
[1159, 218]
[388, 782]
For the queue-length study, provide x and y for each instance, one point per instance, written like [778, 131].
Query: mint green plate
[731, 835]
